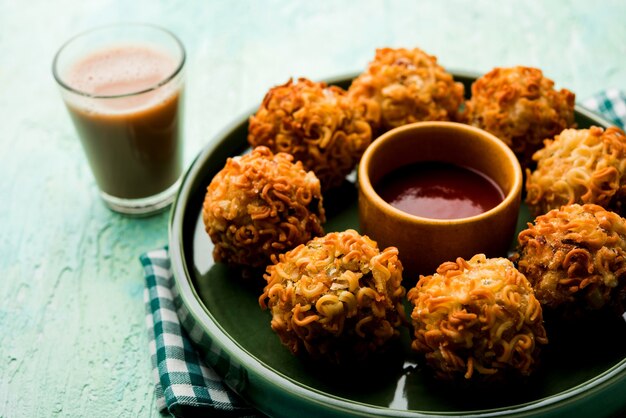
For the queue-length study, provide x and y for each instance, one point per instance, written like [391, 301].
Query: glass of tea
[123, 87]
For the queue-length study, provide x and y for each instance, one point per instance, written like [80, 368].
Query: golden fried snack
[579, 166]
[261, 204]
[402, 86]
[316, 124]
[337, 297]
[478, 319]
[520, 106]
[575, 258]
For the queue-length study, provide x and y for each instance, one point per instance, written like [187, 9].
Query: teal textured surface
[72, 334]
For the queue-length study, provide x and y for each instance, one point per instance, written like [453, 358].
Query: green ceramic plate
[583, 371]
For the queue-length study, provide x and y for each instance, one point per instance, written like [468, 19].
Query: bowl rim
[368, 191]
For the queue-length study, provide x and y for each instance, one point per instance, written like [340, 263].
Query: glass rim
[153, 87]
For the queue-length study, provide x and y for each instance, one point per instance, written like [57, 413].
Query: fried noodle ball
[520, 106]
[402, 86]
[575, 258]
[316, 124]
[579, 166]
[261, 204]
[337, 297]
[478, 319]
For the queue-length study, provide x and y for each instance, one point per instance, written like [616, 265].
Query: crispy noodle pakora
[316, 124]
[402, 86]
[261, 204]
[337, 298]
[575, 258]
[478, 319]
[521, 107]
[579, 166]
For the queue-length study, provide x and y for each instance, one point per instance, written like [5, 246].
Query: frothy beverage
[120, 70]
[129, 125]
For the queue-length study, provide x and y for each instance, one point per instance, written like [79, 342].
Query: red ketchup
[439, 190]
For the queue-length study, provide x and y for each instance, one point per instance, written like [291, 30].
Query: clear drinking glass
[123, 87]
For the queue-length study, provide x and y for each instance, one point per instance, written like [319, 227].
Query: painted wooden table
[72, 334]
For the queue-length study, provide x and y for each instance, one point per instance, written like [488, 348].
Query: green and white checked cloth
[611, 104]
[185, 384]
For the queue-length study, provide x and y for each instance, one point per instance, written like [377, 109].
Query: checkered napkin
[611, 104]
[184, 383]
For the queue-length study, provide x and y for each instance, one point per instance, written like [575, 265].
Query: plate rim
[254, 371]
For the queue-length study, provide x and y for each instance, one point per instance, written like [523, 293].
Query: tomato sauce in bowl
[439, 190]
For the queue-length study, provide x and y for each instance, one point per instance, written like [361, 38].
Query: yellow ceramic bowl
[425, 243]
